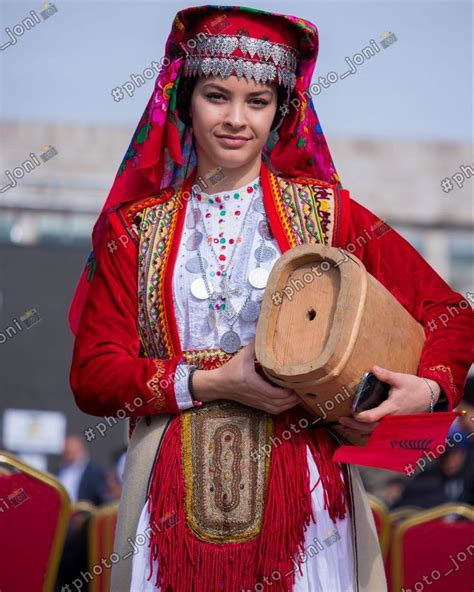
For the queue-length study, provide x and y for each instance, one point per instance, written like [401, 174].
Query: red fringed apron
[236, 483]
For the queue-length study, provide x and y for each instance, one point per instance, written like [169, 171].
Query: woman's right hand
[237, 380]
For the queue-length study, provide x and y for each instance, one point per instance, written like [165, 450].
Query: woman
[227, 169]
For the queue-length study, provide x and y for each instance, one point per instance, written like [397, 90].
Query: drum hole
[311, 314]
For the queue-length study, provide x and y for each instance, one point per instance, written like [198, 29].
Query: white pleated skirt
[328, 564]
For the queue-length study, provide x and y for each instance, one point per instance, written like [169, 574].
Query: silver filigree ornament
[212, 55]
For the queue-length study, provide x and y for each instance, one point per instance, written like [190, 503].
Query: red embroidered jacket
[110, 375]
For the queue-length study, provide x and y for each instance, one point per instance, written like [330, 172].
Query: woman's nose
[235, 115]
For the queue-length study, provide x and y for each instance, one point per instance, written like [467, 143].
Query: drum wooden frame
[324, 321]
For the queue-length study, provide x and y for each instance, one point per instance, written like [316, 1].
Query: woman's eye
[213, 95]
[220, 96]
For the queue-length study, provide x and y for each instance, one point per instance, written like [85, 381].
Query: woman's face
[234, 108]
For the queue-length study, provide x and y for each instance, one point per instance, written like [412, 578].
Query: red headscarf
[162, 143]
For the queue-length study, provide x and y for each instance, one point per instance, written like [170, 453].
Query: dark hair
[185, 91]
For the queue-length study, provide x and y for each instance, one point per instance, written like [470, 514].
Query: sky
[420, 87]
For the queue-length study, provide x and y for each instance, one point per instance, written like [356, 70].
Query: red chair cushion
[439, 555]
[29, 515]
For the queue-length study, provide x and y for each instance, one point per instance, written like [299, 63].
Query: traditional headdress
[220, 41]
[223, 47]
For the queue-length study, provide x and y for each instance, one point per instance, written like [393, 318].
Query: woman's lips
[231, 142]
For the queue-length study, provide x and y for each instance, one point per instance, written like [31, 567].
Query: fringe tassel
[333, 475]
[288, 511]
[335, 485]
[189, 564]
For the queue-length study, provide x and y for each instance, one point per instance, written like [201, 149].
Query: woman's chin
[232, 159]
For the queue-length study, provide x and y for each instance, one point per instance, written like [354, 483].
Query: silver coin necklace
[199, 288]
[230, 341]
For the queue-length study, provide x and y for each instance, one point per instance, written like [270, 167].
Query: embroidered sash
[225, 481]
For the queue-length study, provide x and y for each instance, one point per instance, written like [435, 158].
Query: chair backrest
[382, 523]
[101, 546]
[404, 512]
[81, 511]
[396, 516]
[435, 549]
[34, 514]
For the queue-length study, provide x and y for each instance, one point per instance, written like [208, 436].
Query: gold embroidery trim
[161, 304]
[154, 384]
[146, 202]
[206, 355]
[189, 484]
[446, 370]
[278, 201]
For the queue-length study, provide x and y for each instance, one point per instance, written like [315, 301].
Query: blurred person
[165, 326]
[74, 557]
[114, 475]
[448, 479]
[377, 481]
[82, 479]
[463, 426]
[393, 490]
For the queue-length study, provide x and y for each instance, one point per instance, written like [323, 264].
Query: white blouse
[191, 312]
[329, 559]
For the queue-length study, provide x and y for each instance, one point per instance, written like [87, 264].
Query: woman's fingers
[276, 401]
[358, 426]
[387, 407]
[276, 409]
[254, 390]
[269, 404]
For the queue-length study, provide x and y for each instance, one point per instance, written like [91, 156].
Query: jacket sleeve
[109, 376]
[446, 316]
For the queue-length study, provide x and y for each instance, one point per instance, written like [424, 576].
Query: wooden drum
[324, 321]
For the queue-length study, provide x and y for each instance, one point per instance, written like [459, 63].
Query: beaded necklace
[225, 205]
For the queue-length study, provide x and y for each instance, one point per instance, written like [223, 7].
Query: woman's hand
[237, 380]
[408, 394]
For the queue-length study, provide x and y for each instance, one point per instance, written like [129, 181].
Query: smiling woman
[231, 123]
[170, 319]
